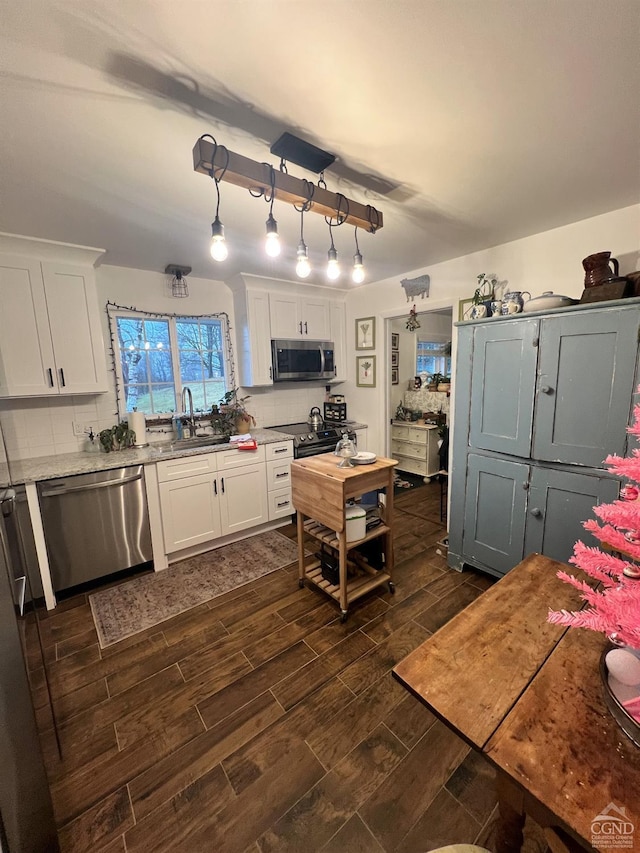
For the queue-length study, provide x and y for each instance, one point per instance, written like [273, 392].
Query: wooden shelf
[355, 586]
[330, 537]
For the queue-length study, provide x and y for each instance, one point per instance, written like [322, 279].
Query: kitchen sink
[189, 443]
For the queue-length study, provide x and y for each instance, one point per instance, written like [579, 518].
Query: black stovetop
[303, 434]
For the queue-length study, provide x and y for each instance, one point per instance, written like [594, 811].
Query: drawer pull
[284, 474]
[282, 503]
[281, 450]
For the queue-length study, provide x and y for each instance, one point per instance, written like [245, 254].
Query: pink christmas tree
[614, 608]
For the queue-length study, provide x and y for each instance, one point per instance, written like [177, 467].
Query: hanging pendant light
[303, 267]
[179, 288]
[217, 244]
[357, 274]
[272, 243]
[333, 268]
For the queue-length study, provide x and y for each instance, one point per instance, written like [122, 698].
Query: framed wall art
[395, 341]
[464, 309]
[395, 356]
[395, 379]
[366, 333]
[366, 371]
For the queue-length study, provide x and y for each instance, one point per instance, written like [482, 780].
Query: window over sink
[156, 356]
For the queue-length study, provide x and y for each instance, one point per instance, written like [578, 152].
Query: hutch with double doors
[541, 400]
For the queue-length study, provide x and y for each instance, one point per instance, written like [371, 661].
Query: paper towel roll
[138, 425]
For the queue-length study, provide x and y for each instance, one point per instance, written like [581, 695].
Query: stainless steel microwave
[299, 360]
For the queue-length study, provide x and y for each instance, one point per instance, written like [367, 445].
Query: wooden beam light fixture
[261, 178]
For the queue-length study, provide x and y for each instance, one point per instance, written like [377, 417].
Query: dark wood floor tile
[353, 837]
[361, 614]
[168, 776]
[409, 577]
[301, 684]
[76, 643]
[306, 601]
[409, 720]
[115, 846]
[320, 813]
[480, 579]
[152, 717]
[79, 791]
[189, 622]
[81, 699]
[267, 647]
[385, 624]
[169, 827]
[449, 581]
[405, 523]
[408, 791]
[152, 635]
[217, 652]
[61, 626]
[444, 822]
[335, 737]
[63, 605]
[243, 690]
[474, 785]
[406, 546]
[488, 834]
[249, 762]
[89, 665]
[273, 603]
[99, 825]
[447, 607]
[254, 810]
[151, 690]
[78, 749]
[381, 658]
[243, 607]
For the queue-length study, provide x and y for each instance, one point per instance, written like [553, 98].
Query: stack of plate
[364, 458]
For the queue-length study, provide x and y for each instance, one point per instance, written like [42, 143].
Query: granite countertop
[67, 464]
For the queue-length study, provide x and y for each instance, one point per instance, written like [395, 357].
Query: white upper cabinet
[299, 317]
[50, 336]
[268, 309]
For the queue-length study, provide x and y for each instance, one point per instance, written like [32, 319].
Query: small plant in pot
[433, 382]
[231, 416]
[444, 384]
[117, 437]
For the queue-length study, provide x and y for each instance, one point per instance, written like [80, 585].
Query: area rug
[404, 481]
[134, 606]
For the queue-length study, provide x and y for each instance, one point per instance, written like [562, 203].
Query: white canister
[356, 522]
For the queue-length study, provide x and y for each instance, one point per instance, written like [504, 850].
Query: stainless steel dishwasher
[95, 524]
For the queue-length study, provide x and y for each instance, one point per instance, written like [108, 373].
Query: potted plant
[231, 416]
[117, 437]
[444, 384]
[433, 382]
[482, 296]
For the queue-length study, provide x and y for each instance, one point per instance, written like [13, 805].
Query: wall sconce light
[179, 288]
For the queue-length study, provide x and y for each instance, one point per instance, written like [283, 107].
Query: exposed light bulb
[303, 267]
[272, 244]
[358, 269]
[333, 268]
[218, 245]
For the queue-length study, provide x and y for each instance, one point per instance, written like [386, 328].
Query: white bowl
[547, 301]
[364, 458]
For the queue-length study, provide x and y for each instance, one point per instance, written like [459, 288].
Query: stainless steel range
[310, 442]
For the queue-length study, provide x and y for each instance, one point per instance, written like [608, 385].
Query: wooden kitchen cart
[320, 491]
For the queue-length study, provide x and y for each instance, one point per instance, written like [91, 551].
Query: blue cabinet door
[585, 386]
[502, 386]
[494, 517]
[559, 501]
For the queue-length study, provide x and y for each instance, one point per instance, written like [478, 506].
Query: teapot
[597, 269]
[316, 420]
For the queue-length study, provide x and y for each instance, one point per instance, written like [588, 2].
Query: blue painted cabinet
[540, 401]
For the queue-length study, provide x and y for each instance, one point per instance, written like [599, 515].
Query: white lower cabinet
[279, 458]
[207, 496]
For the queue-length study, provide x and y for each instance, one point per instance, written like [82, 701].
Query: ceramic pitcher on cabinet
[597, 269]
[513, 301]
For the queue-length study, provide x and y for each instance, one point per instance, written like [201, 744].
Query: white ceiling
[468, 123]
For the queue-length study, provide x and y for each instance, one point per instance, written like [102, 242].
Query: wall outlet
[78, 428]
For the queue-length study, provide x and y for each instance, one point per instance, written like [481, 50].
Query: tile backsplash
[45, 426]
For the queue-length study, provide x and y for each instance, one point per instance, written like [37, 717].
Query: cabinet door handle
[306, 331]
[300, 325]
[215, 488]
[535, 512]
[50, 372]
[62, 382]
[222, 483]
[271, 373]
[546, 389]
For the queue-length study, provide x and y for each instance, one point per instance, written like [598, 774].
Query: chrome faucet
[186, 393]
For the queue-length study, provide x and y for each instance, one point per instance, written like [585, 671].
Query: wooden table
[527, 695]
[319, 490]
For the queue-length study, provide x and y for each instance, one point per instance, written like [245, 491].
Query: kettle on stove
[316, 420]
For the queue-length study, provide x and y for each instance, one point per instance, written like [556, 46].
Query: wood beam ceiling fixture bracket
[260, 178]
